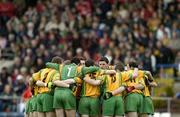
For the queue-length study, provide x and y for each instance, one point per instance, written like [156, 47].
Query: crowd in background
[117, 29]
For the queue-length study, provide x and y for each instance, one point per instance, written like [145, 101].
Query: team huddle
[78, 86]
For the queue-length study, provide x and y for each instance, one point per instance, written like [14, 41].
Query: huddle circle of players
[63, 89]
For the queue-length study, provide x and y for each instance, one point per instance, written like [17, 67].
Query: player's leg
[59, 113]
[108, 107]
[34, 106]
[84, 106]
[41, 114]
[30, 114]
[40, 106]
[84, 115]
[27, 108]
[119, 106]
[47, 99]
[131, 102]
[144, 115]
[26, 115]
[94, 107]
[50, 114]
[148, 107]
[57, 103]
[35, 114]
[132, 114]
[69, 103]
[70, 113]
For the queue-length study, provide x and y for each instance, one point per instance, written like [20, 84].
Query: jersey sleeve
[141, 81]
[150, 79]
[78, 80]
[102, 78]
[86, 70]
[56, 77]
[124, 77]
[52, 65]
[36, 76]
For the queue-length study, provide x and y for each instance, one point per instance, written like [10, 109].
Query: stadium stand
[32, 32]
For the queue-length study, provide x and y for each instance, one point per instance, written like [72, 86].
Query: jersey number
[69, 71]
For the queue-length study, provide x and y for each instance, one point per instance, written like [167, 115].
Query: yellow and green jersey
[88, 89]
[72, 70]
[91, 90]
[46, 75]
[147, 88]
[35, 77]
[137, 80]
[112, 82]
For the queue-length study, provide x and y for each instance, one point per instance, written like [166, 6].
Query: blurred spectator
[20, 85]
[6, 103]
[4, 78]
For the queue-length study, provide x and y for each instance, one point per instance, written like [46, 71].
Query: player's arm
[135, 73]
[122, 87]
[91, 69]
[56, 81]
[52, 65]
[118, 90]
[153, 84]
[41, 83]
[150, 79]
[108, 72]
[31, 82]
[60, 83]
[94, 82]
[139, 86]
[71, 81]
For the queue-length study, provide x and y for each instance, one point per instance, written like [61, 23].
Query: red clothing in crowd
[84, 8]
[7, 9]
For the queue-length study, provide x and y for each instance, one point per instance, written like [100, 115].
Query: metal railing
[168, 99]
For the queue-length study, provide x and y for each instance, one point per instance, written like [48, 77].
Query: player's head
[133, 64]
[67, 62]
[82, 61]
[119, 66]
[103, 63]
[89, 63]
[75, 60]
[57, 60]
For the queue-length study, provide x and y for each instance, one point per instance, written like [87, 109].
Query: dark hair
[57, 60]
[133, 64]
[104, 59]
[119, 66]
[82, 58]
[67, 62]
[89, 63]
[75, 60]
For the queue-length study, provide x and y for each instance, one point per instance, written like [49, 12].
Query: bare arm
[135, 73]
[60, 83]
[107, 72]
[139, 86]
[118, 90]
[92, 81]
[41, 84]
[153, 84]
[31, 82]
[150, 77]
[69, 81]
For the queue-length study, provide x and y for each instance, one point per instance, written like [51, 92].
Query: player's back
[69, 71]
